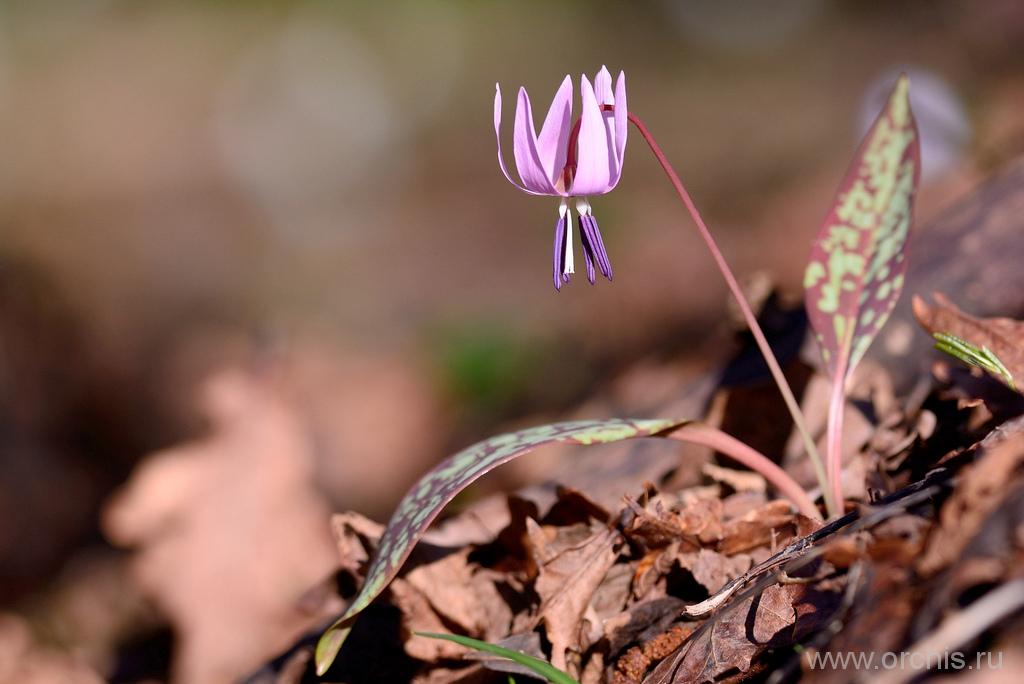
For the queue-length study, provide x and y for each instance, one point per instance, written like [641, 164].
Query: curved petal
[603, 86]
[553, 142]
[497, 134]
[621, 126]
[524, 139]
[595, 163]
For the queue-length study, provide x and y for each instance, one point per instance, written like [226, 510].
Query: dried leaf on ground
[229, 532]
[464, 595]
[712, 569]
[739, 480]
[655, 527]
[977, 495]
[356, 537]
[428, 497]
[419, 616]
[732, 638]
[23, 661]
[569, 573]
[770, 525]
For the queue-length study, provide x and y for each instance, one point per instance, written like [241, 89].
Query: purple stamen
[588, 250]
[600, 253]
[558, 257]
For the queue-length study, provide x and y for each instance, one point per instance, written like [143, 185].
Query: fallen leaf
[739, 480]
[569, 573]
[714, 570]
[229, 532]
[978, 494]
[464, 595]
[24, 661]
[730, 640]
[702, 518]
[655, 527]
[630, 668]
[356, 537]
[419, 616]
[769, 524]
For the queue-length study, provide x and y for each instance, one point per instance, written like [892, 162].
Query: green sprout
[982, 357]
[543, 668]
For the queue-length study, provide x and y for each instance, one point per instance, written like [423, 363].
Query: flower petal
[595, 163]
[621, 126]
[603, 86]
[497, 134]
[553, 142]
[524, 139]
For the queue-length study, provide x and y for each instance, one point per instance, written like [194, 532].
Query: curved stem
[748, 315]
[706, 435]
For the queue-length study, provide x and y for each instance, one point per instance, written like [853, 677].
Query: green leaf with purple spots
[434, 490]
[857, 264]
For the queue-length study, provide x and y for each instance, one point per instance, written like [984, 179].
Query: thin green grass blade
[541, 667]
[434, 490]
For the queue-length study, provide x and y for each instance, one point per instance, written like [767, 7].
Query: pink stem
[748, 314]
[834, 438]
[706, 435]
[730, 280]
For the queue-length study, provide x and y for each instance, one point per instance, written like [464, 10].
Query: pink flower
[569, 161]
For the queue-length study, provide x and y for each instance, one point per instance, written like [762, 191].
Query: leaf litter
[717, 581]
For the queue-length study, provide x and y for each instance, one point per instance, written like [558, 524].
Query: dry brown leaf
[739, 480]
[654, 527]
[702, 518]
[1004, 337]
[885, 605]
[733, 638]
[230, 531]
[419, 616]
[630, 668]
[569, 572]
[712, 569]
[769, 524]
[973, 500]
[464, 595]
[356, 537]
[650, 571]
[23, 661]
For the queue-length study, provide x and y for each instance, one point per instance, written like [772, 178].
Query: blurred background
[258, 263]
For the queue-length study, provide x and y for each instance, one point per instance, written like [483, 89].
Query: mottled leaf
[993, 344]
[856, 270]
[428, 497]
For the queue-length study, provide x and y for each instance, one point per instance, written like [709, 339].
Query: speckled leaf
[856, 270]
[434, 490]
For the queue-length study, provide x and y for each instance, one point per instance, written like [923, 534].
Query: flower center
[570, 157]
